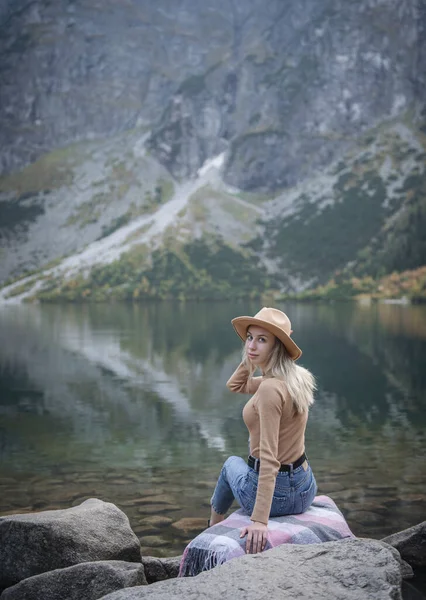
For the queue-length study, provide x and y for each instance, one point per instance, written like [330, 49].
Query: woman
[277, 478]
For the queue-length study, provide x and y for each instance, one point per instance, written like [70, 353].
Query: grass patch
[50, 171]
[410, 284]
[90, 211]
[202, 269]
[138, 233]
[314, 243]
[21, 289]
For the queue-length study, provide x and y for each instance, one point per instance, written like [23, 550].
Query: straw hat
[273, 320]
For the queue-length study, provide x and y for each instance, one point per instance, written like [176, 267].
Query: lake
[127, 403]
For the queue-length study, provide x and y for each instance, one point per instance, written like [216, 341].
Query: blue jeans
[293, 494]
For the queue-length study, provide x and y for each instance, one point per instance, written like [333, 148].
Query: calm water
[128, 404]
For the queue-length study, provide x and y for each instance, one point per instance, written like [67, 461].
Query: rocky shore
[89, 552]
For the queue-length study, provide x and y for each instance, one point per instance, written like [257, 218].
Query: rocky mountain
[285, 139]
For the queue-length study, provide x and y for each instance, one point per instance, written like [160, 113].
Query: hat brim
[242, 323]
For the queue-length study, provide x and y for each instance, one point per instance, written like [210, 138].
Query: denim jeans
[293, 494]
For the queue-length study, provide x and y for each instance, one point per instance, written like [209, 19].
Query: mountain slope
[228, 147]
[282, 87]
[207, 240]
[352, 213]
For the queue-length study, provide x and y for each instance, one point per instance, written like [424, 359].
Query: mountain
[202, 150]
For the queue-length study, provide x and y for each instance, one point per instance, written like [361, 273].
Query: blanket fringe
[197, 560]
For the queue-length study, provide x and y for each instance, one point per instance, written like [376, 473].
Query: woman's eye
[262, 339]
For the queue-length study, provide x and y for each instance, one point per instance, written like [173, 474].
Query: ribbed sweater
[277, 432]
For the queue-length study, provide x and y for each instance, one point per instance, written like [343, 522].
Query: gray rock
[158, 569]
[406, 569]
[343, 570]
[90, 580]
[171, 565]
[38, 542]
[411, 544]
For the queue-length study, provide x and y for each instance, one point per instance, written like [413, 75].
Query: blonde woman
[277, 478]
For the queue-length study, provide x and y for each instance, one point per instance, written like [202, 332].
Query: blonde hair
[299, 381]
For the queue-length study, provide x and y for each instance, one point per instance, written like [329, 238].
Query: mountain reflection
[145, 382]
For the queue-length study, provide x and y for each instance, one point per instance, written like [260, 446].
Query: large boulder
[411, 544]
[34, 543]
[344, 570]
[90, 580]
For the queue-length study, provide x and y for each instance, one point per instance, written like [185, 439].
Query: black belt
[254, 463]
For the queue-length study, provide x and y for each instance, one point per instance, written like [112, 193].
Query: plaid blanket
[322, 522]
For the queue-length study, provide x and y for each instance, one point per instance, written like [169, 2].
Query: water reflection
[90, 395]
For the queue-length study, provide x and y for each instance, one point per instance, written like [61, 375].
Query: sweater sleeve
[241, 382]
[269, 407]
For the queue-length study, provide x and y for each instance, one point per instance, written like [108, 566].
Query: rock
[157, 552]
[89, 580]
[171, 565]
[156, 521]
[154, 541]
[330, 487]
[142, 530]
[380, 488]
[361, 507]
[158, 569]
[206, 485]
[364, 517]
[411, 544]
[413, 498]
[190, 524]
[148, 509]
[343, 570]
[8, 481]
[406, 570]
[24, 509]
[119, 481]
[348, 494]
[155, 500]
[38, 542]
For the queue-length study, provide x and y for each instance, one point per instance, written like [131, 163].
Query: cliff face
[133, 127]
[282, 87]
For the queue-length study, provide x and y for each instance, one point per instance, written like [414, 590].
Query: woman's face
[259, 344]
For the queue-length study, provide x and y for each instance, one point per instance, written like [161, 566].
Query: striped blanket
[322, 522]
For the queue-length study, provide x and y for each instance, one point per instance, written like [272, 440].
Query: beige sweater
[277, 433]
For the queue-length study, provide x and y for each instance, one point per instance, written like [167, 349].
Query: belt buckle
[256, 464]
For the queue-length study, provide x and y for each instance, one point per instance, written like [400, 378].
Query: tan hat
[273, 320]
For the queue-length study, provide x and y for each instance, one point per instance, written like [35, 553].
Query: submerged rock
[154, 541]
[190, 524]
[156, 521]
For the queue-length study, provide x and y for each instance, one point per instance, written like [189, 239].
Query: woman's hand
[257, 535]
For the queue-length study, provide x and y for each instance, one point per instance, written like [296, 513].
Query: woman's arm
[269, 407]
[241, 382]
